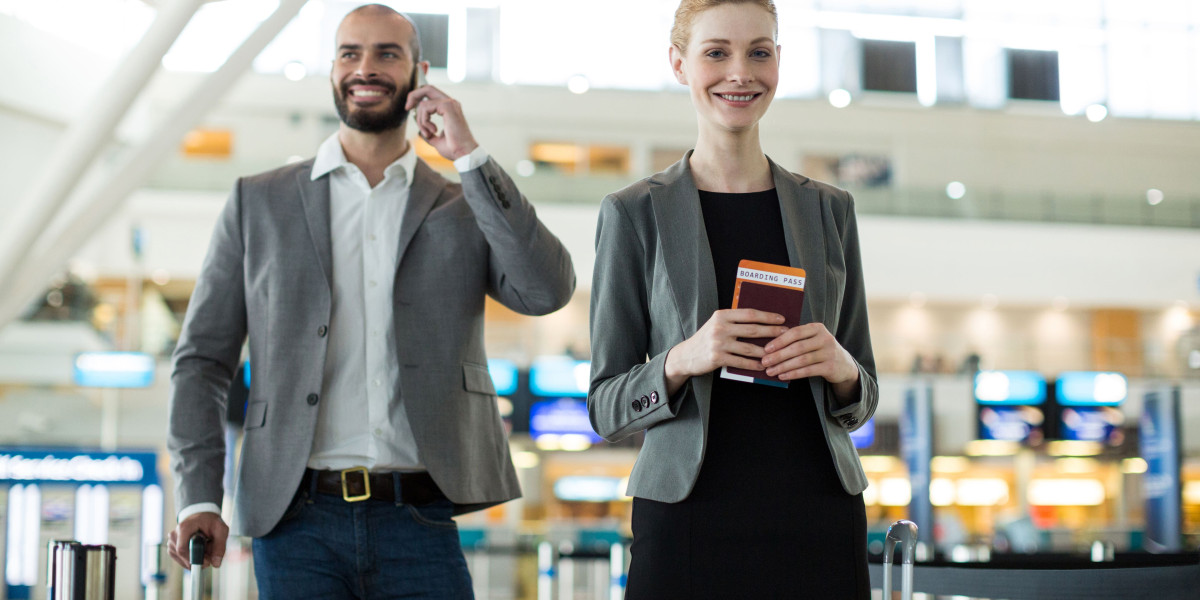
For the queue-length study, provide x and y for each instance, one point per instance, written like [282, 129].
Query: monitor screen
[562, 416]
[114, 369]
[1010, 387]
[504, 375]
[1087, 388]
[864, 436]
[559, 376]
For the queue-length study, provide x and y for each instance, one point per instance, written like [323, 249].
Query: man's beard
[372, 121]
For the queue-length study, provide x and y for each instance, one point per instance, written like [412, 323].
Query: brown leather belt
[354, 485]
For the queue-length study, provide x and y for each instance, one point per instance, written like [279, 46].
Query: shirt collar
[330, 157]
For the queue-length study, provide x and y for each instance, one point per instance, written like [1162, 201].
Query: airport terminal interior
[1025, 179]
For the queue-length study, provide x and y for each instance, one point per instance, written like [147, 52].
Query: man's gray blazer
[268, 274]
[654, 286]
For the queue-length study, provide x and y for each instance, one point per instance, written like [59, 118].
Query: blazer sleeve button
[312, 399]
[645, 402]
[637, 406]
[654, 397]
[322, 330]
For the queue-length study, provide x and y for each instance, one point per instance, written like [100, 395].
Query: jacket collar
[688, 257]
[426, 188]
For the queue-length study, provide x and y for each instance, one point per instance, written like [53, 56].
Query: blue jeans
[327, 548]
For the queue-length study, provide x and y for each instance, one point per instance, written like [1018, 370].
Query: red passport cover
[771, 288]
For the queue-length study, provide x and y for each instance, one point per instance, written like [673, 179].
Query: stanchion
[616, 571]
[901, 532]
[78, 572]
[100, 573]
[153, 575]
[545, 571]
[59, 570]
[566, 571]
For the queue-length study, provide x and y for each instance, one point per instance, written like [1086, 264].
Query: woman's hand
[810, 350]
[716, 345]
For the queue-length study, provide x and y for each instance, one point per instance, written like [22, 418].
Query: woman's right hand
[716, 345]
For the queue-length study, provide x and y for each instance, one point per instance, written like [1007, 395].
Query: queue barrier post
[904, 533]
[80, 572]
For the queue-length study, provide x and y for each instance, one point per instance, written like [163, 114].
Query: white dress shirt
[362, 372]
[359, 423]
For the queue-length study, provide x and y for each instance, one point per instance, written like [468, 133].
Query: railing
[1097, 209]
[553, 188]
[1043, 578]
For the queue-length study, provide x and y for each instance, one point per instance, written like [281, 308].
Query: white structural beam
[58, 245]
[88, 135]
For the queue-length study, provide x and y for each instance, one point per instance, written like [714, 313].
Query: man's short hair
[414, 44]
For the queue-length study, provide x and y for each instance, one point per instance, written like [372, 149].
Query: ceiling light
[955, 190]
[578, 84]
[949, 464]
[295, 70]
[1073, 448]
[879, 464]
[1134, 465]
[991, 448]
[839, 98]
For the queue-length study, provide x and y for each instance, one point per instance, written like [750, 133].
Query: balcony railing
[1002, 205]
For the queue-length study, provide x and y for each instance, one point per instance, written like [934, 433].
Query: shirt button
[371, 237]
[371, 283]
[378, 431]
[322, 330]
[377, 383]
[312, 399]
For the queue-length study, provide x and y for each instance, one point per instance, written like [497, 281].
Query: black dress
[768, 517]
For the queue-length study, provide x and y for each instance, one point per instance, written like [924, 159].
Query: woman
[741, 490]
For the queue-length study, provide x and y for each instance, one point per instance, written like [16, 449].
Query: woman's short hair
[688, 9]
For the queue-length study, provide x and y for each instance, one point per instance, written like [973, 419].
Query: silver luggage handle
[903, 532]
[196, 547]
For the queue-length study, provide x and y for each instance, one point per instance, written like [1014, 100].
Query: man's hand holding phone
[454, 140]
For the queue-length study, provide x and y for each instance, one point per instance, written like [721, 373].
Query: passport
[771, 288]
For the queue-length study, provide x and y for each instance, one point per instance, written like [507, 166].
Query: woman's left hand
[810, 350]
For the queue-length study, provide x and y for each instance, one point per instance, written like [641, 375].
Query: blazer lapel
[801, 208]
[314, 195]
[426, 187]
[684, 242]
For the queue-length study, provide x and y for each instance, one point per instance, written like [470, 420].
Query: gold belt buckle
[366, 485]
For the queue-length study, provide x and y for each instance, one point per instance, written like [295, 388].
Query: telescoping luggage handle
[903, 532]
[196, 548]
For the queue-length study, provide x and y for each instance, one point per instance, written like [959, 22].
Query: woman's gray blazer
[654, 287]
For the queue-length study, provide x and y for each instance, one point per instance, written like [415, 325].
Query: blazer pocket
[256, 415]
[476, 378]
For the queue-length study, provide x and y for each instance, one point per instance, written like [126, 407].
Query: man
[359, 278]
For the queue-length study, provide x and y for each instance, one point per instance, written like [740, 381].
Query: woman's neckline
[737, 193]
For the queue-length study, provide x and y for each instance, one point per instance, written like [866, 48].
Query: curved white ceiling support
[28, 275]
[88, 135]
